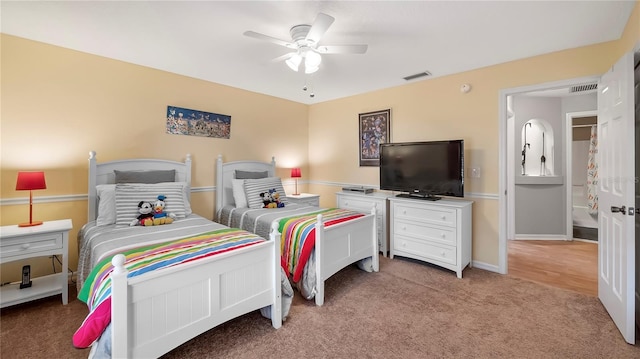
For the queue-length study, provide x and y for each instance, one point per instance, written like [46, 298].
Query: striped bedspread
[298, 236]
[96, 291]
[142, 260]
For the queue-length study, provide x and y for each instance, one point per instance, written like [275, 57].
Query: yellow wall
[58, 104]
[435, 109]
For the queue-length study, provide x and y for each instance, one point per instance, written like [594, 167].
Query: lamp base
[30, 224]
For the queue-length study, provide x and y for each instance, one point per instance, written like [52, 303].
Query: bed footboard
[339, 245]
[156, 312]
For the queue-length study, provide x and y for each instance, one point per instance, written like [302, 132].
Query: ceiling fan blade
[342, 49]
[274, 40]
[283, 57]
[319, 27]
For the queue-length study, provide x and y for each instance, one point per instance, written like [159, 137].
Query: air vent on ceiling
[413, 77]
[582, 88]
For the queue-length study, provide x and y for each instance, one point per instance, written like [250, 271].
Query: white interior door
[616, 246]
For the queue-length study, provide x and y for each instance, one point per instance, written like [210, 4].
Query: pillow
[157, 176]
[106, 204]
[128, 195]
[186, 197]
[238, 193]
[251, 174]
[253, 188]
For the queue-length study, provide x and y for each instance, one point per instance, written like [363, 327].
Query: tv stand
[434, 232]
[427, 197]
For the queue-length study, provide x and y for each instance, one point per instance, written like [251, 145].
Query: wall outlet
[474, 172]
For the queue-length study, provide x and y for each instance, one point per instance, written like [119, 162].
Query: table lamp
[30, 181]
[295, 173]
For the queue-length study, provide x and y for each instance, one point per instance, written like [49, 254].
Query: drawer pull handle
[404, 212]
[444, 218]
[25, 246]
[443, 235]
[443, 254]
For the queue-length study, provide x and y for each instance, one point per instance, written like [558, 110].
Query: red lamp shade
[29, 181]
[295, 173]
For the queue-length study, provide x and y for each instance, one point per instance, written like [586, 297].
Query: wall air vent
[413, 77]
[583, 88]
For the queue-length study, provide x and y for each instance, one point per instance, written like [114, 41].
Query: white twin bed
[154, 312]
[336, 246]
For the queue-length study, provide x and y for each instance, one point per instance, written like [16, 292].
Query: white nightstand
[309, 199]
[48, 239]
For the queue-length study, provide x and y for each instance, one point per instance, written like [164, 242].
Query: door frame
[568, 163]
[506, 178]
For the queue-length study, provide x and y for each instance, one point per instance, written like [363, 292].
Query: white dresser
[437, 232]
[361, 202]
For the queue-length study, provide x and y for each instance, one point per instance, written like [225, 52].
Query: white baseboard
[486, 266]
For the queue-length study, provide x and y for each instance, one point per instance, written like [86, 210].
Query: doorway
[507, 159]
[581, 145]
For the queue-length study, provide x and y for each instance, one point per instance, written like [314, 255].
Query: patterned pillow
[130, 194]
[253, 188]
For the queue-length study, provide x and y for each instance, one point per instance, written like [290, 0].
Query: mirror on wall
[537, 148]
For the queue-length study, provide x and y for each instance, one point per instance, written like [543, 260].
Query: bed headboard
[225, 172]
[103, 173]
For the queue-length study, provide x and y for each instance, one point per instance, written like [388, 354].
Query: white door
[616, 249]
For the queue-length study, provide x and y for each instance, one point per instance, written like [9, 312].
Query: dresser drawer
[425, 249]
[433, 215]
[357, 204]
[440, 234]
[17, 246]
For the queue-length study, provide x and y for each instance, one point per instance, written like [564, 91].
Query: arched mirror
[537, 148]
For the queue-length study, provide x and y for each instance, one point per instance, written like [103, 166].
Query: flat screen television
[424, 170]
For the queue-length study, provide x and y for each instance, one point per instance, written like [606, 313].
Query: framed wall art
[183, 121]
[374, 130]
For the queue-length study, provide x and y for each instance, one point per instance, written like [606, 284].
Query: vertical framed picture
[374, 128]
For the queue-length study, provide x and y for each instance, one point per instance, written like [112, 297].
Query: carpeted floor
[407, 310]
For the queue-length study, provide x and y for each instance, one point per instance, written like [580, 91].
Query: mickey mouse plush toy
[146, 215]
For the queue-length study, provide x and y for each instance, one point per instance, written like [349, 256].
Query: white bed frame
[336, 246]
[156, 312]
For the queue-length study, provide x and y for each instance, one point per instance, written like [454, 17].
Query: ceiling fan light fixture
[312, 62]
[294, 62]
[310, 70]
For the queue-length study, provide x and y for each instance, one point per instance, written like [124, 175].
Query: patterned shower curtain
[592, 173]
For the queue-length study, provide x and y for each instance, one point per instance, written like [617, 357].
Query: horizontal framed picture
[373, 131]
[183, 121]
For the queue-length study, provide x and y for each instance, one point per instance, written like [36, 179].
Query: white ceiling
[204, 39]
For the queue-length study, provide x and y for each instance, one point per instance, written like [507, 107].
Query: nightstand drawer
[307, 199]
[17, 246]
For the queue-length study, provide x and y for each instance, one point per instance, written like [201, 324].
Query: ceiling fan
[305, 43]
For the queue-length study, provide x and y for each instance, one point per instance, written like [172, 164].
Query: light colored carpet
[407, 310]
